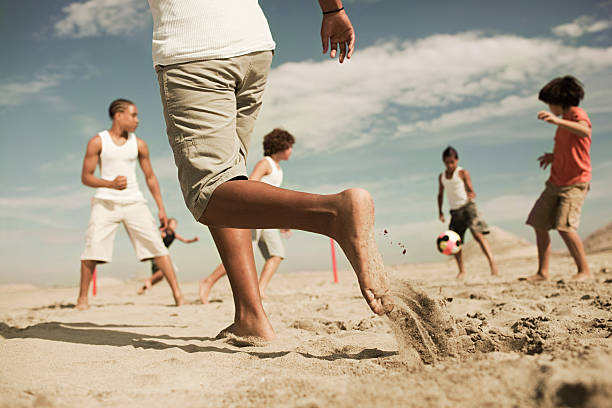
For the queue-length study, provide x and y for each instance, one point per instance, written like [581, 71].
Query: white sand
[518, 344]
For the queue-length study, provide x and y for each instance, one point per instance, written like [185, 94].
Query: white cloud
[581, 26]
[442, 80]
[102, 17]
[513, 207]
[16, 92]
[68, 201]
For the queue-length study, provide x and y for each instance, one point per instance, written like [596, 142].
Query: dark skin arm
[187, 241]
[145, 165]
[90, 162]
[440, 198]
[467, 180]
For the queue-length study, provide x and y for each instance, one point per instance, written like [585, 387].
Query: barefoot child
[464, 213]
[278, 146]
[560, 204]
[211, 85]
[118, 199]
[168, 235]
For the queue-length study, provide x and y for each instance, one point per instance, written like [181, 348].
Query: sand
[496, 342]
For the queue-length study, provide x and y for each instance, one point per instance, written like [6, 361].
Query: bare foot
[147, 285]
[250, 330]
[460, 275]
[82, 304]
[538, 277]
[205, 287]
[582, 276]
[354, 232]
[179, 300]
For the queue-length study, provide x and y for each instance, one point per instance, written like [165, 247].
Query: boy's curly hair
[564, 91]
[118, 105]
[277, 141]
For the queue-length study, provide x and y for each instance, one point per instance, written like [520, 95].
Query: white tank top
[455, 189]
[275, 178]
[188, 30]
[119, 161]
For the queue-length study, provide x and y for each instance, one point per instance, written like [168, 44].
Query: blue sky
[424, 75]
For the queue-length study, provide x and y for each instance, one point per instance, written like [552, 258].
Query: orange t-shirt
[571, 154]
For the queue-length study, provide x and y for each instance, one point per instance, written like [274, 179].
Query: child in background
[464, 213]
[168, 235]
[560, 203]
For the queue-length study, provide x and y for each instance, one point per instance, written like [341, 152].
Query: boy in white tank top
[119, 200]
[464, 213]
[278, 146]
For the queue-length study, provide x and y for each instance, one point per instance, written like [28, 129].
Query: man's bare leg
[459, 259]
[165, 266]
[267, 272]
[347, 217]
[576, 249]
[152, 280]
[236, 251]
[207, 283]
[543, 242]
[484, 245]
[87, 268]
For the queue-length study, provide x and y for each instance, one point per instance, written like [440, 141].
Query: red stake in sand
[93, 278]
[333, 251]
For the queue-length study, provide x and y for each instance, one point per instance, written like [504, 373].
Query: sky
[424, 75]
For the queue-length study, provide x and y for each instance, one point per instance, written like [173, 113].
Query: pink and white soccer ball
[449, 243]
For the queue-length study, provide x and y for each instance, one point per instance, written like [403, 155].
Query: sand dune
[599, 240]
[503, 245]
[482, 342]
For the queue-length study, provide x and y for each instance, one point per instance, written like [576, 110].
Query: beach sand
[496, 342]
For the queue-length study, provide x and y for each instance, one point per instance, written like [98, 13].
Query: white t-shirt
[119, 161]
[192, 30]
[275, 178]
[455, 189]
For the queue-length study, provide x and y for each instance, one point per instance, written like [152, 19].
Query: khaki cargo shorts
[210, 109]
[269, 242]
[104, 220]
[558, 207]
[466, 217]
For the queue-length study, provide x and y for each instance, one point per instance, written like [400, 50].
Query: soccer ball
[449, 243]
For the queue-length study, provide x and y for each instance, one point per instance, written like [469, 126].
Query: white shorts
[269, 242]
[106, 216]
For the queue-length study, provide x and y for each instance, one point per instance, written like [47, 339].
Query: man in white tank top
[278, 146]
[118, 199]
[212, 60]
[464, 213]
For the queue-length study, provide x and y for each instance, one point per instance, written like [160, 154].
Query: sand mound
[503, 244]
[600, 240]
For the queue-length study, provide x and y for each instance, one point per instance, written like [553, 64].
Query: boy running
[560, 203]
[464, 213]
[278, 146]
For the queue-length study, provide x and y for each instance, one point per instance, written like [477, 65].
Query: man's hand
[471, 195]
[337, 29]
[548, 117]
[545, 160]
[119, 183]
[441, 217]
[163, 219]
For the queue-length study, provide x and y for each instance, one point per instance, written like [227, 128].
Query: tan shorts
[106, 216]
[466, 217]
[558, 207]
[210, 109]
[269, 242]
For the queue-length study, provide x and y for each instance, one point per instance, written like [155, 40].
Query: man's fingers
[333, 50]
[342, 51]
[325, 43]
[351, 46]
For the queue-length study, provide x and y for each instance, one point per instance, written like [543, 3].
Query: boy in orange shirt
[560, 204]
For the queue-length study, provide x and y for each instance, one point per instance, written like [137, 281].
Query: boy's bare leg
[165, 266]
[484, 245]
[347, 217]
[543, 242]
[576, 249]
[152, 280]
[206, 284]
[267, 272]
[459, 259]
[236, 252]
[87, 268]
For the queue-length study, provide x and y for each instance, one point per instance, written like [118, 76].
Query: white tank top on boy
[455, 189]
[119, 161]
[186, 30]
[275, 178]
